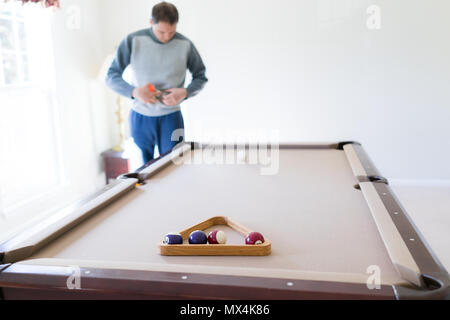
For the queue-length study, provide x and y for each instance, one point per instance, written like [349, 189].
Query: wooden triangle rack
[215, 249]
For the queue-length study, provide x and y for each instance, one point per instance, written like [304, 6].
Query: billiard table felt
[320, 226]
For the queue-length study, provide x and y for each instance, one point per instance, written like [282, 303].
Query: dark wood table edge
[122, 284]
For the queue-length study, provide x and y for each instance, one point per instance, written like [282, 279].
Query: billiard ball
[254, 238]
[242, 156]
[173, 238]
[151, 88]
[217, 237]
[198, 237]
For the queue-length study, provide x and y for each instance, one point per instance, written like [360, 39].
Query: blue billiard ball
[198, 237]
[173, 238]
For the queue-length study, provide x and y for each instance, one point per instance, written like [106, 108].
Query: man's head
[164, 21]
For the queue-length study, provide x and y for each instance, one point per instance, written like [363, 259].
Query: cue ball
[217, 237]
[173, 238]
[242, 156]
[198, 237]
[254, 238]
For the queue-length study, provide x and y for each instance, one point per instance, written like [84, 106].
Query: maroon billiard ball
[254, 238]
[217, 237]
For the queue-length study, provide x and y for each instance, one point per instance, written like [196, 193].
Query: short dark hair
[165, 12]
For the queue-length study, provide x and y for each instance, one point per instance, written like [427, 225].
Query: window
[30, 153]
[13, 40]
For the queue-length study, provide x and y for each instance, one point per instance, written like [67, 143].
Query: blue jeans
[150, 131]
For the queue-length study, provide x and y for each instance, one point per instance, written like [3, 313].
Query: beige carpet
[428, 204]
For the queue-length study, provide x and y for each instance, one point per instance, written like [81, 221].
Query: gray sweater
[162, 64]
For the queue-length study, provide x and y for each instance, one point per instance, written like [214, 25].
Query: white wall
[313, 71]
[86, 120]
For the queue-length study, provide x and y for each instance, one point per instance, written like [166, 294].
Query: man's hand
[144, 95]
[174, 96]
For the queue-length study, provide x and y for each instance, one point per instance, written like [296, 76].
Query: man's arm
[121, 60]
[198, 70]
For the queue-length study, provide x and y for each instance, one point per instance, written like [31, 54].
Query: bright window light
[30, 155]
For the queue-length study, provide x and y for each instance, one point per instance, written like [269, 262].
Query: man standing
[159, 57]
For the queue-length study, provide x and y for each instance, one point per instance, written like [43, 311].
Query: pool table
[336, 229]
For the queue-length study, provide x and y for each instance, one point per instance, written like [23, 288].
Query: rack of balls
[214, 237]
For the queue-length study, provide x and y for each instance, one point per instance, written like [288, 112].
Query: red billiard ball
[254, 238]
[217, 237]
